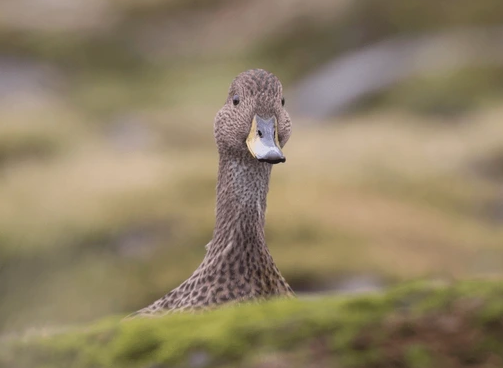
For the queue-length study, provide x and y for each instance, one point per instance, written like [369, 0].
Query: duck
[250, 131]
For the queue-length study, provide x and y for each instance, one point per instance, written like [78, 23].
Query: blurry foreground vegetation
[108, 165]
[417, 325]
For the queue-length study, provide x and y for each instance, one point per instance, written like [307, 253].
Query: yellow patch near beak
[252, 137]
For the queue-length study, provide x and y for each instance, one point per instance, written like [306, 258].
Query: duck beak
[263, 141]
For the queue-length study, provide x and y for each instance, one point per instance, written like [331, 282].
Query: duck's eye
[282, 101]
[235, 100]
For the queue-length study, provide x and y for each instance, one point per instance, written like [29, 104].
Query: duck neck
[243, 183]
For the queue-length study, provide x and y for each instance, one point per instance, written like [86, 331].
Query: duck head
[253, 122]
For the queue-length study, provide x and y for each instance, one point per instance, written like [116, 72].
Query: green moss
[353, 332]
[418, 356]
[490, 315]
[28, 145]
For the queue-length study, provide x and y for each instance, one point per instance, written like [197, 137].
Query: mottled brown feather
[237, 266]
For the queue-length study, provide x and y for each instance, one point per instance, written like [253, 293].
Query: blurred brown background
[108, 165]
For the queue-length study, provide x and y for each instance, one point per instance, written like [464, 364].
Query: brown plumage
[250, 130]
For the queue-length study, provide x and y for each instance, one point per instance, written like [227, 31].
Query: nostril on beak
[260, 134]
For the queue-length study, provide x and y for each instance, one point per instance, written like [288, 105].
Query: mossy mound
[418, 325]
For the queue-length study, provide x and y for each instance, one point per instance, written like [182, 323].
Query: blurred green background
[108, 164]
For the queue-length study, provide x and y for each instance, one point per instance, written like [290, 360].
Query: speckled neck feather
[237, 265]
